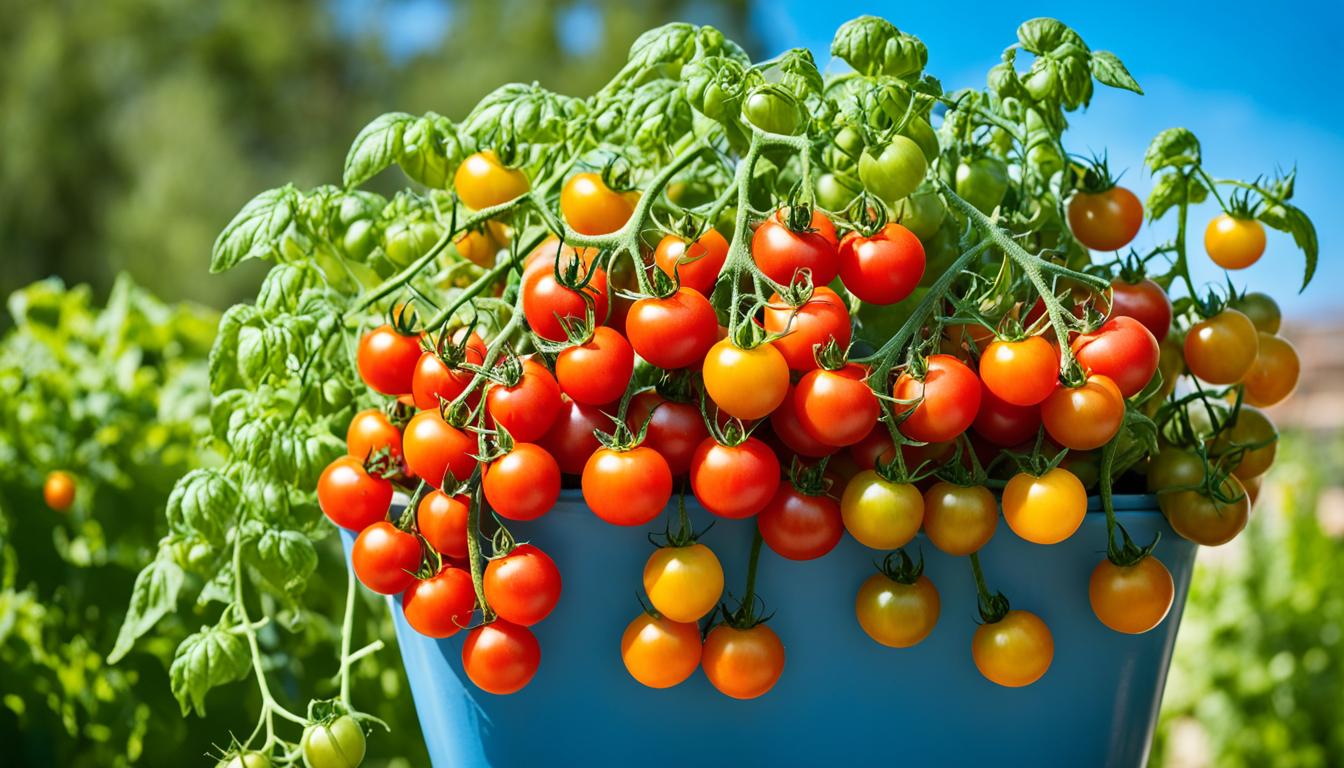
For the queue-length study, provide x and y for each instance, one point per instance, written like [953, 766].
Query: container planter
[841, 695]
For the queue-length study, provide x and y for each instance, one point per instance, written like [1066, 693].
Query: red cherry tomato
[781, 252]
[597, 371]
[437, 378]
[440, 605]
[1085, 417]
[442, 520]
[696, 265]
[1004, 424]
[820, 319]
[836, 407]
[1123, 350]
[351, 497]
[674, 431]
[501, 657]
[528, 408]
[674, 332]
[571, 439]
[370, 432]
[386, 360]
[434, 448]
[627, 487]
[546, 301]
[949, 398]
[385, 558]
[734, 481]
[884, 268]
[1144, 301]
[799, 526]
[522, 586]
[1105, 221]
[523, 484]
[787, 426]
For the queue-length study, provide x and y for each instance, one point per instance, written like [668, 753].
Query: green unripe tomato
[1045, 158]
[360, 239]
[772, 109]
[919, 131]
[1262, 309]
[338, 744]
[850, 142]
[921, 213]
[895, 171]
[246, 760]
[835, 193]
[982, 182]
[406, 241]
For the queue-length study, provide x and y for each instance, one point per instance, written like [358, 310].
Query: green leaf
[376, 147]
[800, 74]
[214, 656]
[256, 230]
[1289, 218]
[1109, 70]
[520, 114]
[285, 559]
[670, 44]
[153, 597]
[430, 151]
[1172, 148]
[657, 114]
[874, 46]
[1043, 36]
[203, 502]
[1172, 189]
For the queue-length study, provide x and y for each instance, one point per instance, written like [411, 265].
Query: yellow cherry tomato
[894, 614]
[1046, 509]
[879, 513]
[683, 583]
[1234, 243]
[1014, 651]
[745, 383]
[482, 181]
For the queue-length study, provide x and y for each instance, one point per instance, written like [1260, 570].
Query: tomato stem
[474, 557]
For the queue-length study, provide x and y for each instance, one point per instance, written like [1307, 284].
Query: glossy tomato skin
[627, 487]
[821, 319]
[58, 490]
[385, 559]
[501, 657]
[781, 253]
[958, 519]
[880, 514]
[674, 332]
[659, 652]
[1021, 373]
[386, 360]
[442, 520]
[1203, 519]
[1004, 424]
[1131, 599]
[882, 269]
[734, 481]
[1045, 509]
[799, 526]
[683, 583]
[1014, 651]
[836, 407]
[434, 381]
[597, 371]
[787, 427]
[590, 207]
[743, 663]
[433, 448]
[523, 484]
[745, 383]
[1144, 301]
[1262, 310]
[1084, 417]
[523, 586]
[527, 409]
[1234, 243]
[570, 440]
[1123, 350]
[951, 399]
[482, 181]
[696, 265]
[1222, 349]
[440, 606]
[1105, 221]
[674, 430]
[370, 432]
[546, 301]
[1273, 375]
[894, 614]
[351, 497]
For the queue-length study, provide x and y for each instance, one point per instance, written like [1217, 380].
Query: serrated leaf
[874, 46]
[429, 151]
[203, 502]
[1172, 148]
[1044, 36]
[256, 230]
[376, 147]
[1289, 218]
[285, 559]
[214, 656]
[672, 44]
[800, 74]
[1172, 189]
[1109, 70]
[153, 597]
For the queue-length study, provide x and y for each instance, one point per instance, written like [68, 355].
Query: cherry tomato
[1131, 599]
[571, 439]
[674, 332]
[836, 407]
[386, 360]
[787, 427]
[820, 319]
[1046, 509]
[799, 526]
[627, 487]
[1204, 519]
[982, 182]
[1174, 468]
[959, 519]
[434, 449]
[781, 252]
[436, 380]
[742, 663]
[385, 558]
[697, 266]
[58, 490]
[1223, 348]
[501, 657]
[882, 269]
[546, 302]
[1084, 417]
[523, 586]
[370, 432]
[659, 652]
[1020, 372]
[683, 583]
[442, 520]
[440, 605]
[1234, 243]
[1123, 350]
[1273, 376]
[1261, 308]
[1144, 301]
[1105, 221]
[351, 497]
[894, 614]
[482, 181]
[526, 409]
[674, 430]
[734, 481]
[337, 743]
[1014, 651]
[1004, 424]
[477, 246]
[597, 371]
[893, 171]
[881, 514]
[1252, 435]
[590, 207]
[745, 383]
[523, 484]
[949, 398]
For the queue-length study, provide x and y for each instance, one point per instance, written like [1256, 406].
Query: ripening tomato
[597, 371]
[821, 319]
[800, 526]
[1123, 350]
[696, 265]
[435, 449]
[895, 614]
[1273, 376]
[1261, 308]
[370, 432]
[1203, 519]
[734, 481]
[882, 269]
[1046, 509]
[1105, 221]
[673, 332]
[782, 252]
[1020, 372]
[477, 246]
[350, 496]
[1222, 349]
[893, 171]
[440, 605]
[745, 383]
[1004, 424]
[58, 490]
[523, 484]
[948, 399]
[523, 586]
[1234, 243]
[742, 663]
[959, 519]
[836, 407]
[442, 520]
[1085, 417]
[547, 304]
[683, 583]
[570, 440]
[482, 181]
[385, 558]
[659, 652]
[1144, 301]
[881, 514]
[1131, 599]
[787, 427]
[501, 657]
[386, 360]
[438, 379]
[528, 408]
[674, 429]
[590, 207]
[1014, 651]
[1252, 436]
[627, 487]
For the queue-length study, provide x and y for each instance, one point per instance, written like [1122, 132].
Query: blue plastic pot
[841, 695]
